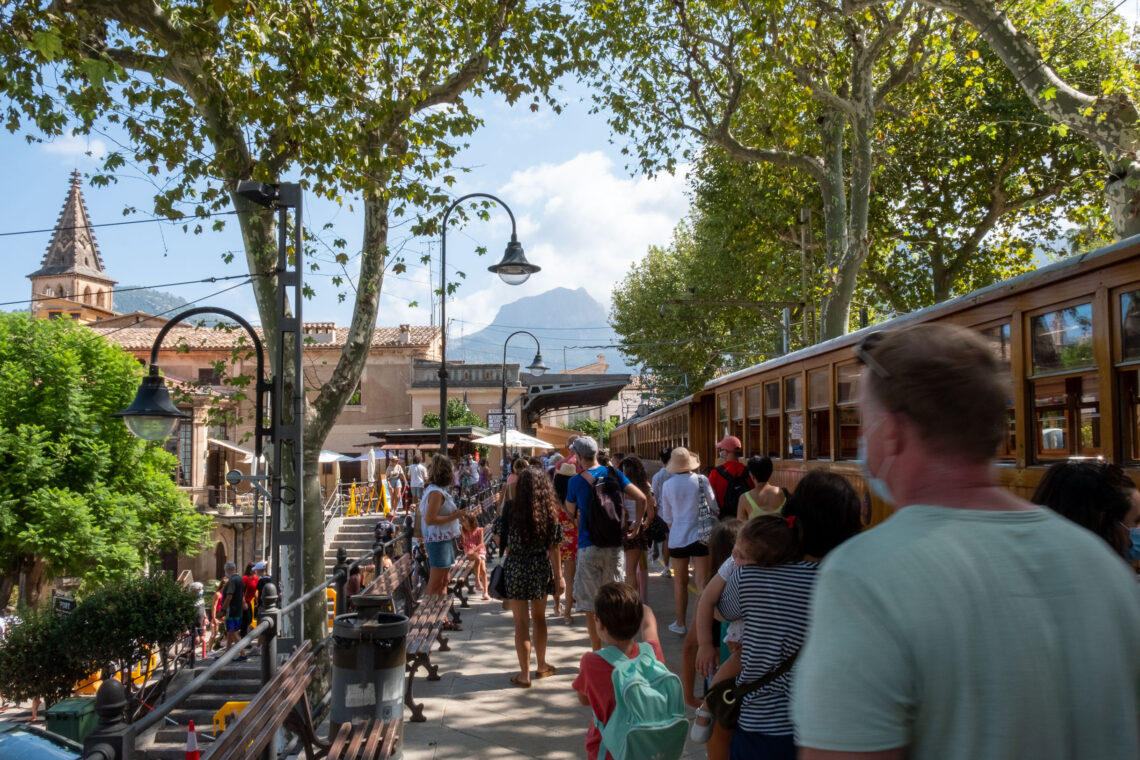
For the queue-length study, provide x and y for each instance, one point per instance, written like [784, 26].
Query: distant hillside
[560, 317]
[147, 300]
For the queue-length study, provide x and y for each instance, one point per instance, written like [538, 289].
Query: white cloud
[76, 147]
[583, 222]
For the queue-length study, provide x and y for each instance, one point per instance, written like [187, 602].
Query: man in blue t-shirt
[597, 565]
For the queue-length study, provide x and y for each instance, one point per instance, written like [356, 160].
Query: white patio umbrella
[515, 440]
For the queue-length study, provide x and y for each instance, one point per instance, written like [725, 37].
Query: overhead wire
[47, 297]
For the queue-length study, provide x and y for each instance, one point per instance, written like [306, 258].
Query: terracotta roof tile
[207, 338]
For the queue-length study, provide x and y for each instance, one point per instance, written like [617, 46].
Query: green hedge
[45, 656]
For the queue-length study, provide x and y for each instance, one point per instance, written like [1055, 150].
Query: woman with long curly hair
[531, 570]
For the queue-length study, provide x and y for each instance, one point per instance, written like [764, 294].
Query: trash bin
[73, 718]
[368, 661]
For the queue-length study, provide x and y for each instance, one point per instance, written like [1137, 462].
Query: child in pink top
[471, 541]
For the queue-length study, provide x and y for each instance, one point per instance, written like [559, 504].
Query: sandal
[546, 672]
[700, 733]
[450, 626]
[521, 684]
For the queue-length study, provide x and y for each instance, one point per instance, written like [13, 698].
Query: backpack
[649, 721]
[606, 510]
[737, 487]
[384, 531]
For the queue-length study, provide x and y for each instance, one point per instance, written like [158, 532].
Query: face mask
[1132, 552]
[877, 484]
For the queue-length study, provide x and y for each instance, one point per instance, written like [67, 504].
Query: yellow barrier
[330, 595]
[228, 709]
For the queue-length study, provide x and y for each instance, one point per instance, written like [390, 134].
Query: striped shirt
[774, 603]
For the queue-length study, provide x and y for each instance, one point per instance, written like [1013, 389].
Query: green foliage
[78, 492]
[591, 427]
[458, 415]
[46, 655]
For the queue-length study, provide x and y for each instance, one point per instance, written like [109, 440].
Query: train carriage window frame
[1063, 391]
[847, 377]
[819, 413]
[754, 420]
[773, 412]
[999, 336]
[736, 411]
[793, 446]
[1126, 349]
[722, 418]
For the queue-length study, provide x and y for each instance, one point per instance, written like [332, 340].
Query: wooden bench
[461, 579]
[267, 712]
[426, 618]
[371, 740]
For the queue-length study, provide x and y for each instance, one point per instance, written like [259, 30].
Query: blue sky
[581, 216]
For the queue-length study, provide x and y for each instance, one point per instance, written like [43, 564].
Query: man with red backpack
[594, 500]
[730, 480]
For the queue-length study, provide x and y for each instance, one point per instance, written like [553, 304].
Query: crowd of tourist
[971, 624]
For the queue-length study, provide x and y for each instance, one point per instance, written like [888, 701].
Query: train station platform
[474, 711]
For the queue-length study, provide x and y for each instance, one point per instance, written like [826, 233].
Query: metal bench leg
[416, 708]
[443, 645]
[454, 614]
[462, 592]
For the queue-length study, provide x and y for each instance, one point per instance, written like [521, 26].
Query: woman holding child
[768, 584]
[532, 570]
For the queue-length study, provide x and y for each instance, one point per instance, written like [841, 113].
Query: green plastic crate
[73, 718]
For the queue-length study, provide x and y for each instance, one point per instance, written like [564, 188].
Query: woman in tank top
[764, 499]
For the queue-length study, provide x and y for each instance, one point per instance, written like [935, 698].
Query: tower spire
[72, 249]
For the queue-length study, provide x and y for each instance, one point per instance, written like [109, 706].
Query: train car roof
[1046, 274]
[655, 412]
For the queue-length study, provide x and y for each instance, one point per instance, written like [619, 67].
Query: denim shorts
[440, 553]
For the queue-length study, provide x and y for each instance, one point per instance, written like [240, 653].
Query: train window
[819, 405]
[1066, 417]
[722, 413]
[738, 414]
[1130, 325]
[847, 382]
[847, 420]
[772, 420]
[772, 397]
[1062, 339]
[793, 417]
[755, 410]
[1130, 406]
[998, 339]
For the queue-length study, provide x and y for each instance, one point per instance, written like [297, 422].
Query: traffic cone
[192, 752]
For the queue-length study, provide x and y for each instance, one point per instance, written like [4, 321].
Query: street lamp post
[152, 416]
[537, 367]
[513, 269]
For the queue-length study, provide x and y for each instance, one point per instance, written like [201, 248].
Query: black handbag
[497, 583]
[724, 698]
[657, 530]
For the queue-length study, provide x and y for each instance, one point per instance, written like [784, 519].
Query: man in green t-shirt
[971, 624]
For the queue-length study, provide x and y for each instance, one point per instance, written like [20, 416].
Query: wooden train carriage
[646, 436]
[1068, 335]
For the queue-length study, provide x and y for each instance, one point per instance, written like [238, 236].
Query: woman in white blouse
[681, 497]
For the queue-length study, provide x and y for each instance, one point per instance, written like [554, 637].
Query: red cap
[729, 443]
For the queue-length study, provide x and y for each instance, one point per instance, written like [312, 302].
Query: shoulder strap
[744, 689]
[720, 468]
[612, 655]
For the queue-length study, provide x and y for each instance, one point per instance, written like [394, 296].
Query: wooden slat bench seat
[249, 734]
[370, 740]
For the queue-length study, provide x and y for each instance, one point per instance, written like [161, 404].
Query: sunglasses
[863, 352]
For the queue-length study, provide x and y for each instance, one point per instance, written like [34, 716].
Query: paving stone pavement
[473, 711]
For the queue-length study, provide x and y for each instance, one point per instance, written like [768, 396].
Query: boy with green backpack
[637, 703]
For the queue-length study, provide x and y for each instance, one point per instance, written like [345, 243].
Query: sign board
[62, 603]
[495, 417]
